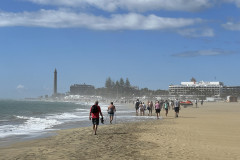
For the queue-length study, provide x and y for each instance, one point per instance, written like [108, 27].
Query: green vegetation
[121, 88]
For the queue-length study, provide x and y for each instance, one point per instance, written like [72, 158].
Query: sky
[153, 43]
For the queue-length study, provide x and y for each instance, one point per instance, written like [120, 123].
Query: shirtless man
[111, 110]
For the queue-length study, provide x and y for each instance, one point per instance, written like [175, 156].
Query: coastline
[208, 132]
[67, 115]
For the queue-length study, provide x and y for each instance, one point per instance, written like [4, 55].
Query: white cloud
[196, 32]
[232, 26]
[237, 2]
[20, 86]
[213, 52]
[132, 5]
[69, 19]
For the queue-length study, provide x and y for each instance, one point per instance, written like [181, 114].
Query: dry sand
[211, 131]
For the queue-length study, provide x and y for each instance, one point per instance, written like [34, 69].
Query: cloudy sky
[154, 43]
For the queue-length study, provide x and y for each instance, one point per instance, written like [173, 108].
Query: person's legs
[95, 122]
[93, 127]
[111, 118]
[175, 109]
[177, 112]
[96, 129]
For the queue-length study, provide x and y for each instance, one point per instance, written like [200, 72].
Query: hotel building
[197, 89]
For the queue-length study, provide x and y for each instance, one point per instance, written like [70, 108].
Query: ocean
[23, 120]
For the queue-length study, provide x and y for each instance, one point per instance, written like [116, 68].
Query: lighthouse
[55, 83]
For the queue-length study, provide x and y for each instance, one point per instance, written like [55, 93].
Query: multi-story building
[197, 89]
[231, 91]
[82, 89]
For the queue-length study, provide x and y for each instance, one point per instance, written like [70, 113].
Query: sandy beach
[209, 132]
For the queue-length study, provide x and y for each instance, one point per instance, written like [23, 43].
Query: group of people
[196, 102]
[159, 105]
[95, 110]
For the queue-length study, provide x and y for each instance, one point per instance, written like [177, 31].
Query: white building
[197, 88]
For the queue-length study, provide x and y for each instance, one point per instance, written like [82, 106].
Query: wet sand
[209, 132]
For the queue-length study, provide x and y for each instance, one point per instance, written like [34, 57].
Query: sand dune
[209, 132]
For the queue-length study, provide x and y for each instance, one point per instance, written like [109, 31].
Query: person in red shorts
[94, 115]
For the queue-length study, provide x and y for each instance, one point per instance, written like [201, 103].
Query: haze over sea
[21, 120]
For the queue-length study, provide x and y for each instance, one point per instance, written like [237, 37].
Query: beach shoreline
[208, 132]
[44, 117]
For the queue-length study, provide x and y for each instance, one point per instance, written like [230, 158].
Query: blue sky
[154, 43]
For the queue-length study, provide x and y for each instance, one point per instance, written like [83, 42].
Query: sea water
[20, 120]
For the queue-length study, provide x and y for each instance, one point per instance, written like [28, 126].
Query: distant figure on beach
[202, 102]
[172, 104]
[196, 103]
[95, 110]
[144, 108]
[177, 107]
[111, 110]
[150, 108]
[166, 107]
[137, 106]
[141, 108]
[157, 109]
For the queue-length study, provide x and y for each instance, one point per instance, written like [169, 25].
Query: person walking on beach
[196, 103]
[157, 109]
[111, 111]
[166, 107]
[137, 106]
[95, 110]
[150, 107]
[141, 109]
[202, 102]
[177, 108]
[144, 108]
[172, 104]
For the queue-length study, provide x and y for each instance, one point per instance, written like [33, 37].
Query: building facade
[82, 89]
[197, 89]
[231, 91]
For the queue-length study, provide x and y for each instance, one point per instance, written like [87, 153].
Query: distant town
[123, 90]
